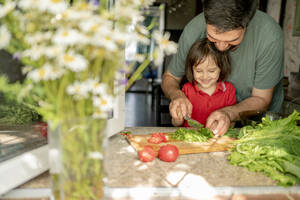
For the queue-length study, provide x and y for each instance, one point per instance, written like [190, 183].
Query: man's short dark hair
[202, 49]
[228, 15]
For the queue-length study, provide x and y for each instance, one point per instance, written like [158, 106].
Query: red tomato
[168, 153]
[163, 136]
[157, 138]
[147, 154]
[42, 128]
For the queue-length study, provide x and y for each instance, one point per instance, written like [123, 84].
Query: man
[255, 44]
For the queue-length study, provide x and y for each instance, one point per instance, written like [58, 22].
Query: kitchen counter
[192, 176]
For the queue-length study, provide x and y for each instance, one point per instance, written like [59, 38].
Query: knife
[193, 123]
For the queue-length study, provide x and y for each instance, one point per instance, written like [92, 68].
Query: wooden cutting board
[212, 145]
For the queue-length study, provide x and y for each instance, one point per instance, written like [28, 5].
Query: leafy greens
[272, 147]
[192, 135]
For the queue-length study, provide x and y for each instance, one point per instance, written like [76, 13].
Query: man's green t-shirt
[256, 63]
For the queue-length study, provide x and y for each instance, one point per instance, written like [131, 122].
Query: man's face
[226, 40]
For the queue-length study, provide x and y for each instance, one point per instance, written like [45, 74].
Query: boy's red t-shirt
[204, 104]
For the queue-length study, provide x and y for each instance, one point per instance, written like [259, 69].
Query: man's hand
[218, 122]
[180, 107]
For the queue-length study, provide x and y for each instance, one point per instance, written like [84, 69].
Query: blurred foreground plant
[74, 64]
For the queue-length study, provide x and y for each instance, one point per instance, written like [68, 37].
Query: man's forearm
[251, 103]
[171, 87]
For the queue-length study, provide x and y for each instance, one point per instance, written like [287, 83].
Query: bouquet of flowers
[73, 56]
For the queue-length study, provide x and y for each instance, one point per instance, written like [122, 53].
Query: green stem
[137, 73]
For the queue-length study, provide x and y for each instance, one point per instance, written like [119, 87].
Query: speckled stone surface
[124, 169]
[190, 177]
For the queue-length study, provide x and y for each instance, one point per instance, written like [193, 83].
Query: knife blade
[193, 123]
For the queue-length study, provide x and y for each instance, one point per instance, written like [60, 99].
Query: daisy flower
[29, 4]
[54, 51]
[78, 90]
[74, 62]
[34, 53]
[55, 6]
[97, 88]
[5, 9]
[99, 114]
[38, 38]
[105, 41]
[105, 102]
[158, 56]
[38, 74]
[67, 37]
[53, 73]
[167, 46]
[75, 15]
[127, 13]
[5, 36]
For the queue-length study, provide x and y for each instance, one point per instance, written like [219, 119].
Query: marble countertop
[190, 176]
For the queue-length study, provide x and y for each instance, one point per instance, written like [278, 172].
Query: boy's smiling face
[206, 74]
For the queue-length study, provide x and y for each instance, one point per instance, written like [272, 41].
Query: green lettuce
[271, 147]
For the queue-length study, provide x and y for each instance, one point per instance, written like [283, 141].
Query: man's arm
[180, 106]
[219, 120]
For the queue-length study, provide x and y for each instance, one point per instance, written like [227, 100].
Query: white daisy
[38, 38]
[120, 37]
[76, 14]
[5, 36]
[95, 24]
[158, 56]
[55, 6]
[142, 29]
[74, 62]
[54, 51]
[105, 102]
[139, 38]
[105, 41]
[163, 41]
[96, 87]
[5, 9]
[34, 53]
[78, 90]
[53, 73]
[38, 74]
[67, 37]
[99, 114]
[127, 13]
[28, 4]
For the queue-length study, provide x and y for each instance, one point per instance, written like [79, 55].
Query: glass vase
[76, 159]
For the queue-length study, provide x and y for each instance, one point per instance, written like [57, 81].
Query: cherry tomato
[147, 154]
[157, 138]
[168, 153]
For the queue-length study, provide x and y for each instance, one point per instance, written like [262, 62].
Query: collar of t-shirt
[221, 87]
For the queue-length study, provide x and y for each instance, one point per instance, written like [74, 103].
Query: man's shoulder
[265, 25]
[196, 27]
